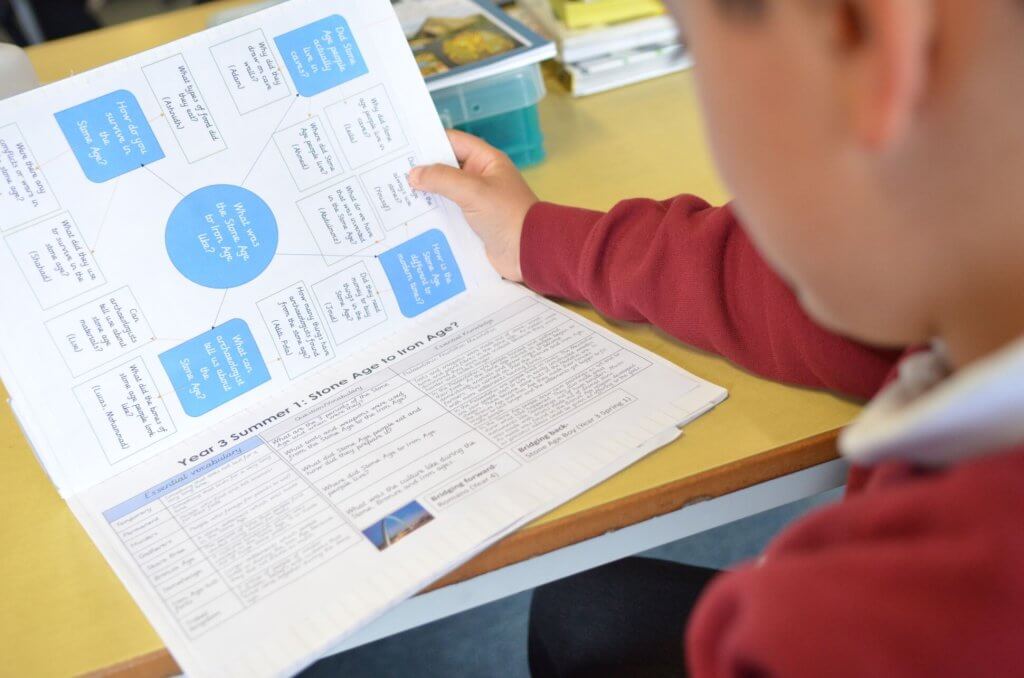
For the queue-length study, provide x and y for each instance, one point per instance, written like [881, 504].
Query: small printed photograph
[397, 525]
[444, 43]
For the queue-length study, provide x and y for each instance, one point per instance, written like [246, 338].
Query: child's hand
[491, 192]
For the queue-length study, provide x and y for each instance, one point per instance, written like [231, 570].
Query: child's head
[876, 152]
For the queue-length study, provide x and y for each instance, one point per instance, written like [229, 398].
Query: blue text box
[215, 367]
[321, 55]
[221, 236]
[180, 480]
[109, 135]
[423, 272]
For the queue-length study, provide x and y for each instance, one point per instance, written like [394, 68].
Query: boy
[875, 150]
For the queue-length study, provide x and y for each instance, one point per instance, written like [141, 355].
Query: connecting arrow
[162, 180]
[106, 214]
[219, 309]
[270, 138]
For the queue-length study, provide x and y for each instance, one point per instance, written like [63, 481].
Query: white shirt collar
[932, 417]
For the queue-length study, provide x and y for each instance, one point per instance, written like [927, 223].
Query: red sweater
[916, 573]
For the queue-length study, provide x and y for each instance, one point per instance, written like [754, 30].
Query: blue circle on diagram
[221, 236]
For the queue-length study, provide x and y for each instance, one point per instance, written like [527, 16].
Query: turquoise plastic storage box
[501, 109]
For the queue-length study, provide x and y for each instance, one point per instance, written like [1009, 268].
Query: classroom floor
[112, 12]
[491, 640]
[119, 11]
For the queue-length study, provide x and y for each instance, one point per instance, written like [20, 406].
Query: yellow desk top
[64, 612]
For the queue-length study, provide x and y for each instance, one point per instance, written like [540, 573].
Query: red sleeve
[689, 269]
[923, 577]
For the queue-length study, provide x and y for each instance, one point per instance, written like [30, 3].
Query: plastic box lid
[491, 96]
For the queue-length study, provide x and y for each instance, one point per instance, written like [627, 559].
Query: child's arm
[679, 264]
[691, 270]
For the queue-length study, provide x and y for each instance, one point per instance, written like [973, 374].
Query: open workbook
[281, 389]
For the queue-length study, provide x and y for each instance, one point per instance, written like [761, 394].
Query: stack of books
[590, 13]
[605, 44]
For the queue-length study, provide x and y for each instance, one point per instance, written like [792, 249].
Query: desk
[63, 610]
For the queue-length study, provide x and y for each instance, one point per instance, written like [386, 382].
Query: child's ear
[884, 49]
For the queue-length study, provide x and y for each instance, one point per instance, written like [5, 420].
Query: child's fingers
[472, 152]
[457, 185]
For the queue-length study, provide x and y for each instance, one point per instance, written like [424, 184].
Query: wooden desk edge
[535, 541]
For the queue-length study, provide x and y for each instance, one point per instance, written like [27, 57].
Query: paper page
[257, 546]
[195, 227]
[508, 44]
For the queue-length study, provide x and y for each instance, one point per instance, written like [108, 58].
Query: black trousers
[622, 619]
